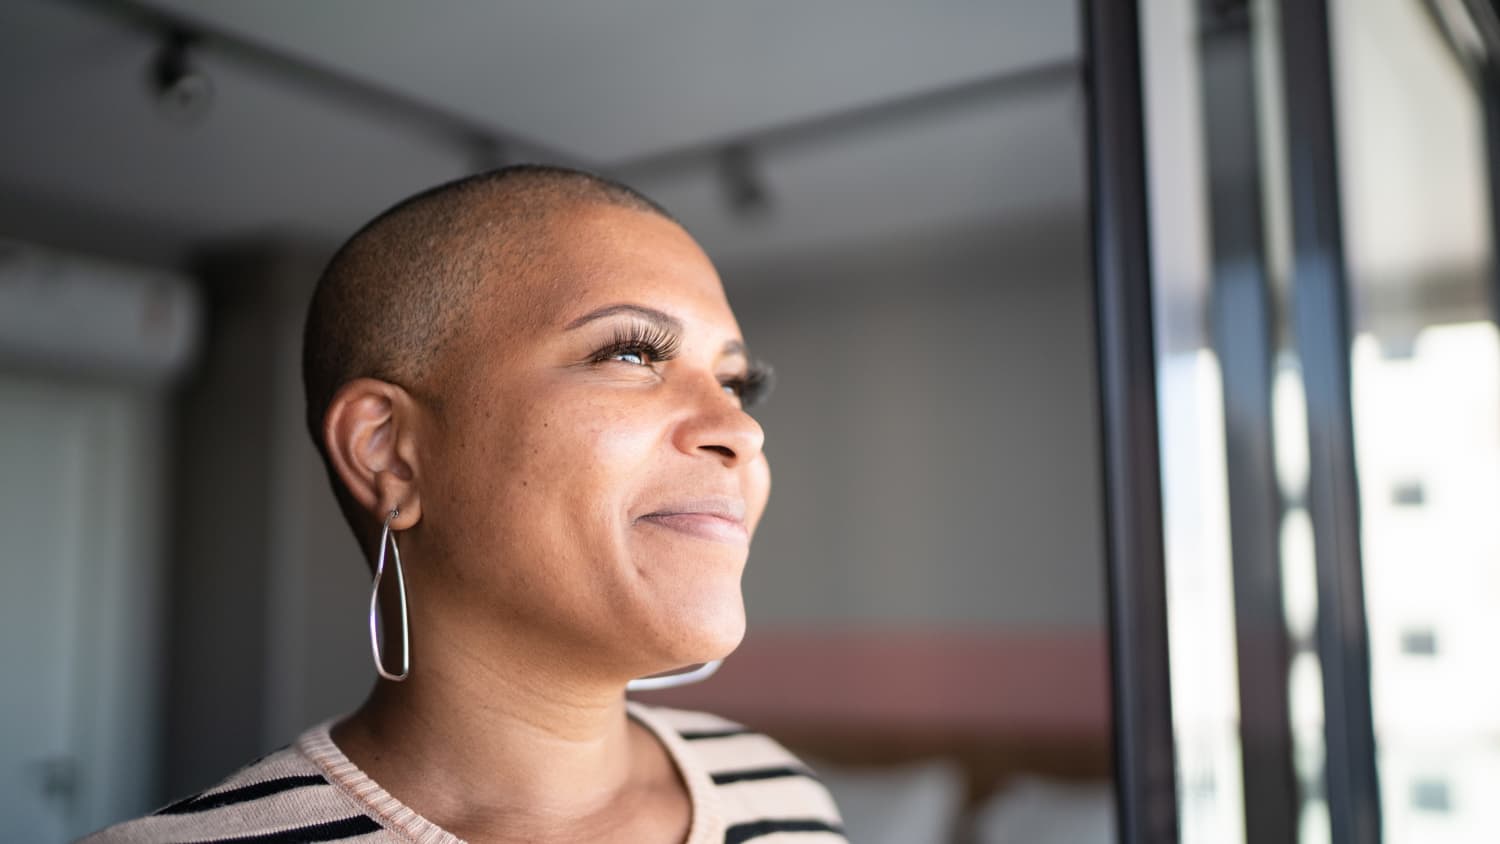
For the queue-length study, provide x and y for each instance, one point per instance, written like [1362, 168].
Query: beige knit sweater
[743, 787]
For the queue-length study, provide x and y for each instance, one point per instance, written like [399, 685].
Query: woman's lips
[720, 522]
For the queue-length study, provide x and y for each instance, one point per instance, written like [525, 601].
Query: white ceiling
[866, 118]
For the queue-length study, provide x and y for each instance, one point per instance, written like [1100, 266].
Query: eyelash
[650, 343]
[656, 345]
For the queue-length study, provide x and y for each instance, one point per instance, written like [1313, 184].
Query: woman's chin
[702, 637]
[727, 637]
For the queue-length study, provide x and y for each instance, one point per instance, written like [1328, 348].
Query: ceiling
[862, 119]
[611, 82]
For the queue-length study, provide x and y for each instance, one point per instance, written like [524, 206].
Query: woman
[530, 394]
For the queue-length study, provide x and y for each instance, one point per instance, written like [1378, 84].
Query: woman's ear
[370, 433]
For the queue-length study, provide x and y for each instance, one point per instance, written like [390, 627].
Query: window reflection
[1426, 394]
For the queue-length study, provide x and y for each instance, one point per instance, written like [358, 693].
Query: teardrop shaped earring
[668, 681]
[387, 539]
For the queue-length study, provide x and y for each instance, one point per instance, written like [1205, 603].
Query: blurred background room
[1136, 429]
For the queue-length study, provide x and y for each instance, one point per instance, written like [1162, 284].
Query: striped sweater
[743, 787]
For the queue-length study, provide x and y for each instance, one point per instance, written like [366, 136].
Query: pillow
[1031, 810]
[916, 803]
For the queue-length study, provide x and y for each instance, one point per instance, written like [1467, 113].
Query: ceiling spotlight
[183, 92]
[743, 182]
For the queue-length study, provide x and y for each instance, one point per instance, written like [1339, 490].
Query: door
[76, 492]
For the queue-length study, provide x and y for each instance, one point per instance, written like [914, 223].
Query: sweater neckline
[704, 827]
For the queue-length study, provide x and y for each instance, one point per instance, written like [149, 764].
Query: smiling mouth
[718, 525]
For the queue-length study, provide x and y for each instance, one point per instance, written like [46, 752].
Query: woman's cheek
[757, 489]
[622, 441]
[618, 433]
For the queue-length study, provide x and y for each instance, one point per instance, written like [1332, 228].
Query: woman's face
[590, 480]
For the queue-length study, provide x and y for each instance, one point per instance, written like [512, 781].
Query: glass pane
[1200, 597]
[1426, 381]
[1184, 188]
[1299, 574]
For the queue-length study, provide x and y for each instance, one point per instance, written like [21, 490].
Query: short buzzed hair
[394, 293]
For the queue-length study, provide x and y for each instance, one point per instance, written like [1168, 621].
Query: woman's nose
[720, 426]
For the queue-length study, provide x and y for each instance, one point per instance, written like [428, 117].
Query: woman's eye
[737, 387]
[751, 387]
[639, 345]
[634, 354]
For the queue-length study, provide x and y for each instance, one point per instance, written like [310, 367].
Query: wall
[932, 434]
[267, 588]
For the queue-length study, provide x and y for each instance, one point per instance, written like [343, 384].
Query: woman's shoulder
[761, 786]
[283, 792]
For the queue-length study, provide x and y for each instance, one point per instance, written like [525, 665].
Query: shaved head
[400, 288]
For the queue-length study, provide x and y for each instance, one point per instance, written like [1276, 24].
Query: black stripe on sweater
[755, 829]
[330, 831]
[697, 735]
[728, 777]
[243, 794]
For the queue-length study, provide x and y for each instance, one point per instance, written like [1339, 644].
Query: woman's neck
[493, 755]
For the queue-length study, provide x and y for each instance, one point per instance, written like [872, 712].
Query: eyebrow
[660, 318]
[652, 315]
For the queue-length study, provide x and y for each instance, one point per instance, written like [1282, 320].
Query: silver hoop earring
[385, 539]
[669, 681]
